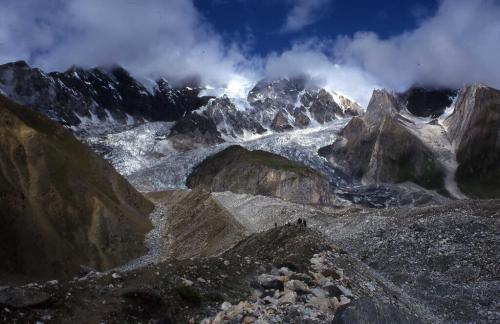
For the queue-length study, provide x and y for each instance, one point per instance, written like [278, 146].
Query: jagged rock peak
[383, 103]
[80, 96]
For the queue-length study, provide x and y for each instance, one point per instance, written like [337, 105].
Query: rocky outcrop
[427, 102]
[277, 105]
[229, 120]
[280, 123]
[96, 95]
[473, 128]
[61, 205]
[194, 131]
[379, 148]
[261, 173]
[197, 225]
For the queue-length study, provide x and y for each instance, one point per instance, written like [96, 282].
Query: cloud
[149, 37]
[314, 60]
[458, 45]
[303, 14]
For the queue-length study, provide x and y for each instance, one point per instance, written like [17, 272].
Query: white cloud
[458, 45]
[303, 14]
[315, 61]
[157, 37]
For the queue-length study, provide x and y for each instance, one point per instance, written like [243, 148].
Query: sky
[350, 46]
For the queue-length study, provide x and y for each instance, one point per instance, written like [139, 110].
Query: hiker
[275, 225]
[299, 221]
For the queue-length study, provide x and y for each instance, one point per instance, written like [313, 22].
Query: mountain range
[126, 200]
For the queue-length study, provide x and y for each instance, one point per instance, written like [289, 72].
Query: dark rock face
[425, 102]
[61, 205]
[229, 120]
[322, 107]
[275, 100]
[301, 119]
[194, 131]
[278, 105]
[260, 173]
[280, 123]
[473, 129]
[99, 94]
[379, 148]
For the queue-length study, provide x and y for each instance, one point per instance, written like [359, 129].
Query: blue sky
[260, 22]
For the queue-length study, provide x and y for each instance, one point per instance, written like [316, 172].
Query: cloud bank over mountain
[456, 45]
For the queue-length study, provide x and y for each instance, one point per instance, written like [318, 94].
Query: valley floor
[429, 264]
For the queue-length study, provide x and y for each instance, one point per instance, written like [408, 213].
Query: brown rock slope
[474, 129]
[61, 206]
[260, 173]
[379, 148]
[197, 225]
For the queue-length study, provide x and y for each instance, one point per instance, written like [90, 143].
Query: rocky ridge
[271, 106]
[56, 196]
[95, 97]
[380, 148]
[258, 172]
[473, 129]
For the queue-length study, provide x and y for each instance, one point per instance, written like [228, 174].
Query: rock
[100, 93]
[141, 301]
[301, 119]
[323, 304]
[197, 226]
[473, 129]
[87, 206]
[298, 286]
[19, 298]
[231, 121]
[270, 282]
[369, 310]
[345, 291]
[116, 275]
[225, 306]
[379, 148]
[302, 277]
[194, 131]
[289, 297]
[85, 270]
[281, 123]
[323, 108]
[187, 282]
[260, 173]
